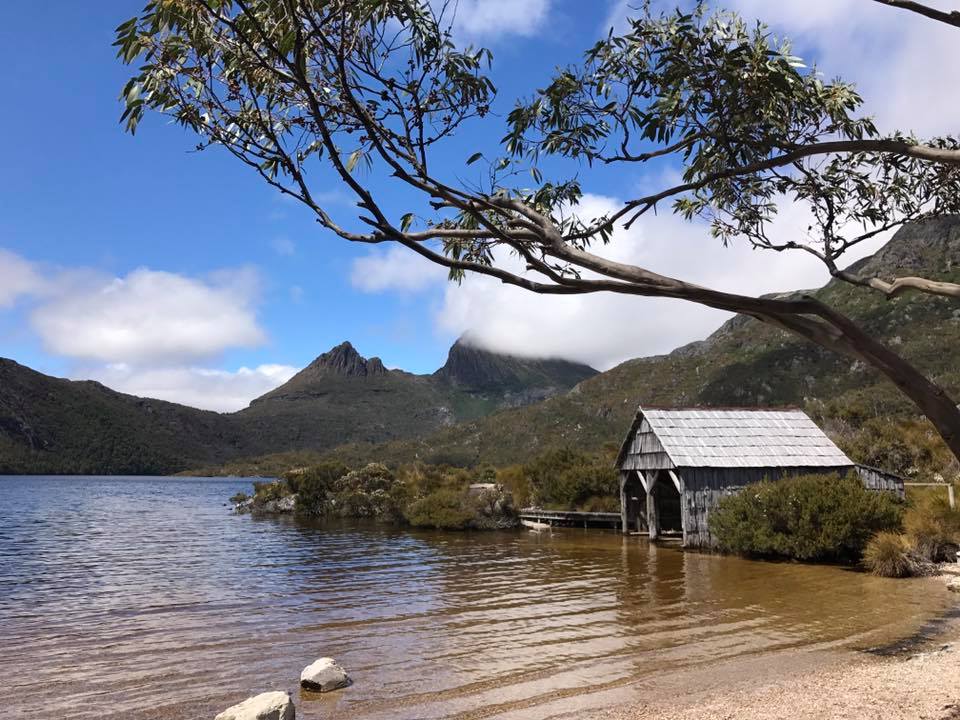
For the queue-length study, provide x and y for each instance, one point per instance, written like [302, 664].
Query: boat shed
[676, 464]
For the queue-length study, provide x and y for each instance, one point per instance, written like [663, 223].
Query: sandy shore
[921, 683]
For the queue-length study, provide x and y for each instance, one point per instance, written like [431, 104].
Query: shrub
[370, 492]
[515, 480]
[442, 509]
[810, 517]
[240, 497]
[315, 486]
[566, 479]
[267, 490]
[888, 554]
[933, 528]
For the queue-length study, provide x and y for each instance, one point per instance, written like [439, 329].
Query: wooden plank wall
[645, 451]
[875, 479]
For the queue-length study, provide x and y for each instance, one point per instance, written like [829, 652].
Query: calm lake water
[145, 598]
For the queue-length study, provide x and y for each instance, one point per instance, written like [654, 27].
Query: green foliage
[372, 491]
[810, 517]
[568, 480]
[266, 490]
[315, 486]
[444, 509]
[909, 447]
[888, 554]
[515, 480]
[239, 497]
[933, 528]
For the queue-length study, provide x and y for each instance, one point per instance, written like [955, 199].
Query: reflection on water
[144, 598]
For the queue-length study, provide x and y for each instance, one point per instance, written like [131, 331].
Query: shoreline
[917, 677]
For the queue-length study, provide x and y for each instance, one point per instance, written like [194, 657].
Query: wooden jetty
[569, 518]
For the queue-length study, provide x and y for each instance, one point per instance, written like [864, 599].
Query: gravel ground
[924, 685]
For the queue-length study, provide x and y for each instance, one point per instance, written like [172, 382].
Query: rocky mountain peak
[473, 368]
[345, 360]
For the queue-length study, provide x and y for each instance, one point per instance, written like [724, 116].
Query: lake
[146, 598]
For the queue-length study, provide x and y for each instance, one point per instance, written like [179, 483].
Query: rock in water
[265, 706]
[324, 675]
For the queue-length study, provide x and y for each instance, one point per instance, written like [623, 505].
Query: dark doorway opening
[635, 499]
[669, 513]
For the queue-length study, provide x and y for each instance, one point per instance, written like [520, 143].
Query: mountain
[510, 379]
[61, 426]
[50, 425]
[480, 407]
[743, 363]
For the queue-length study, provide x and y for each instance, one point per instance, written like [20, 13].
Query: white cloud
[605, 328]
[18, 278]
[394, 268]
[147, 329]
[491, 18]
[205, 388]
[151, 316]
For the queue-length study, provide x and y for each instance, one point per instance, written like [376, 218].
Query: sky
[179, 275]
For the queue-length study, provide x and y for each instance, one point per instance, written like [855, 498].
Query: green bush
[443, 509]
[569, 480]
[267, 490]
[888, 554]
[810, 517]
[515, 481]
[315, 486]
[373, 491]
[933, 528]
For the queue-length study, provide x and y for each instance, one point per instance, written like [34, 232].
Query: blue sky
[161, 271]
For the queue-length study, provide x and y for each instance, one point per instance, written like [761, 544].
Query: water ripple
[143, 598]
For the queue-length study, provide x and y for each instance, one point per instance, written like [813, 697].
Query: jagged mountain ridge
[55, 425]
[743, 363]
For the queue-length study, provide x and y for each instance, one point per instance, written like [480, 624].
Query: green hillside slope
[51, 425]
[744, 363]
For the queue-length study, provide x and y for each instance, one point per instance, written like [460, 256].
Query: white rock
[265, 706]
[324, 675]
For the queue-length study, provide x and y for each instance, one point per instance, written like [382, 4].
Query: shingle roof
[743, 438]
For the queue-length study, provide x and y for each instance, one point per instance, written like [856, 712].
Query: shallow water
[146, 598]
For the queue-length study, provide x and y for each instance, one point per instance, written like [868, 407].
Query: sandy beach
[920, 681]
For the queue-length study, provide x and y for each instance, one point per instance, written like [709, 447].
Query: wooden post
[624, 520]
[951, 497]
[684, 511]
[653, 522]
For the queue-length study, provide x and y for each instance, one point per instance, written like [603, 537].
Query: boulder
[286, 504]
[243, 507]
[324, 675]
[265, 706]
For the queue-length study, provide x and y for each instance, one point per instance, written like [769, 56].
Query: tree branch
[951, 17]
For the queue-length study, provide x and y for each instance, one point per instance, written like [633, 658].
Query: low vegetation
[809, 517]
[888, 554]
[439, 495]
[417, 494]
[931, 534]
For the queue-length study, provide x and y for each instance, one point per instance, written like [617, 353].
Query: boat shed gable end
[662, 439]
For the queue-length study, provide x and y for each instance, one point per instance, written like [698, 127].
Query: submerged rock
[324, 675]
[265, 706]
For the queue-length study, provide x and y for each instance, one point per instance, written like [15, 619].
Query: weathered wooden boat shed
[676, 464]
